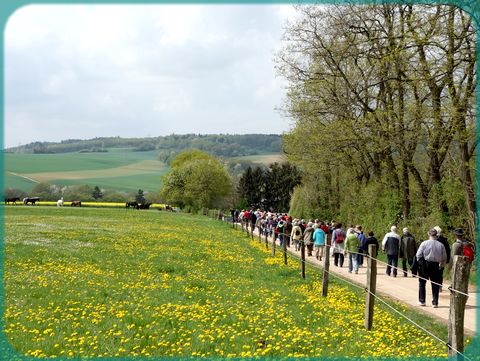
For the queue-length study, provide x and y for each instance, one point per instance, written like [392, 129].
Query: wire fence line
[398, 269]
[286, 237]
[449, 287]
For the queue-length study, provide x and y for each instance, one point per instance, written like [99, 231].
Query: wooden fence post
[371, 286]
[302, 253]
[326, 268]
[266, 237]
[284, 248]
[460, 274]
[273, 243]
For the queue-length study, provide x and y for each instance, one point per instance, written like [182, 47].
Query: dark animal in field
[131, 204]
[31, 200]
[12, 200]
[76, 204]
[144, 205]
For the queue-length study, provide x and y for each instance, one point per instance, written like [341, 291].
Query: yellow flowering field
[101, 282]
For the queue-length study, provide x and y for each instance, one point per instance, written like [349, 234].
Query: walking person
[288, 229]
[319, 241]
[279, 231]
[253, 220]
[308, 238]
[372, 240]
[296, 235]
[431, 256]
[463, 247]
[408, 250]
[362, 247]
[391, 246]
[443, 240]
[352, 244]
[338, 246]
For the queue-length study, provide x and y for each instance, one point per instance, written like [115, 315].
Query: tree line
[383, 103]
[220, 145]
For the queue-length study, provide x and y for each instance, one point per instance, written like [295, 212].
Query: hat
[438, 229]
[309, 224]
[405, 230]
[432, 232]
[393, 228]
[459, 232]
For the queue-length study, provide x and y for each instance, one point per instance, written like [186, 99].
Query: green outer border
[8, 7]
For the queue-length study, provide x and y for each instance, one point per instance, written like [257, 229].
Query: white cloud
[131, 70]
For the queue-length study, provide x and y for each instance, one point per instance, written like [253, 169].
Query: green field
[114, 282]
[120, 169]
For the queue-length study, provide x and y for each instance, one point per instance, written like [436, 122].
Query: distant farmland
[121, 169]
[118, 169]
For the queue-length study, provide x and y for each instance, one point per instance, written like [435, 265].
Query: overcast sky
[84, 71]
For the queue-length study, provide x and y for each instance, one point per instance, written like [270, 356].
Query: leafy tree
[78, 192]
[140, 198]
[270, 189]
[382, 99]
[12, 192]
[46, 191]
[281, 179]
[251, 187]
[97, 193]
[196, 180]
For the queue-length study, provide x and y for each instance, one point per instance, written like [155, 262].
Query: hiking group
[426, 260]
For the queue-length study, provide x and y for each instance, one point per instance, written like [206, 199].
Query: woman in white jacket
[296, 235]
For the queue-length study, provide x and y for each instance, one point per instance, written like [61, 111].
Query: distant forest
[221, 145]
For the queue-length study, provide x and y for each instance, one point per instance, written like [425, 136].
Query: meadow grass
[33, 163]
[87, 282]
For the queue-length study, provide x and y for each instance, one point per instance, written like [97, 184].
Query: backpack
[468, 251]
[297, 232]
[339, 237]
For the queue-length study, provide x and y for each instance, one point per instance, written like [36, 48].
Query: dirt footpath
[403, 289]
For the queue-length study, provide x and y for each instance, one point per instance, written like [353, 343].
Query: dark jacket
[369, 241]
[408, 247]
[443, 240]
[391, 244]
[287, 228]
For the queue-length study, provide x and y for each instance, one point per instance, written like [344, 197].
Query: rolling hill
[126, 164]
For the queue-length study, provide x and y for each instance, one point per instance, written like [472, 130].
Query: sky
[85, 71]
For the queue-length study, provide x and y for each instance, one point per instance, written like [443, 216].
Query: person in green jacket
[352, 243]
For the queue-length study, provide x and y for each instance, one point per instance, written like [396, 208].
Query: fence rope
[417, 276]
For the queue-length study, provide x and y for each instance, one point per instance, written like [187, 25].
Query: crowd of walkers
[426, 259]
